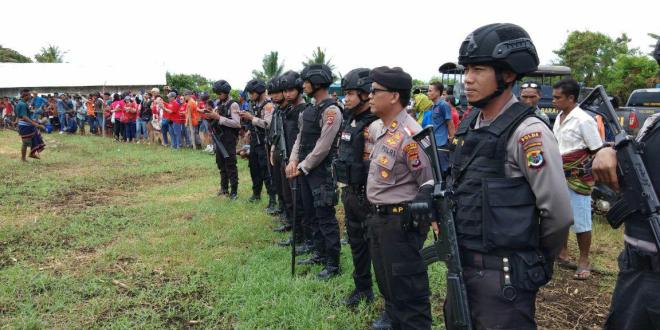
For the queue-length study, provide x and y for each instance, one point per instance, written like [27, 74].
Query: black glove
[421, 208]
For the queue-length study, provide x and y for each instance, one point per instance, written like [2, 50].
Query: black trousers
[357, 208]
[400, 271]
[227, 167]
[275, 186]
[302, 230]
[258, 164]
[319, 212]
[636, 297]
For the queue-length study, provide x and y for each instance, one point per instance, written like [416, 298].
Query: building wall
[14, 92]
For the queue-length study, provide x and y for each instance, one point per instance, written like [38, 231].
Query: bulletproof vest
[493, 213]
[311, 129]
[350, 166]
[274, 123]
[637, 224]
[224, 110]
[290, 120]
[258, 134]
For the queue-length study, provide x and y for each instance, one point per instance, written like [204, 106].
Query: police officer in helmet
[311, 159]
[351, 169]
[258, 119]
[225, 123]
[512, 208]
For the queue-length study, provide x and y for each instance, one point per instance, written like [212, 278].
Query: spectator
[70, 125]
[173, 108]
[421, 106]
[37, 104]
[578, 138]
[530, 94]
[117, 112]
[443, 126]
[81, 114]
[129, 118]
[144, 119]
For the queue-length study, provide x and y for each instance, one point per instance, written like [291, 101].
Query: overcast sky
[228, 39]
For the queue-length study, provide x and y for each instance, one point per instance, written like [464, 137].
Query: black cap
[392, 78]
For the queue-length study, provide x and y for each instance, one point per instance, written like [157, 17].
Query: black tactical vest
[258, 134]
[637, 225]
[493, 213]
[224, 110]
[350, 166]
[311, 129]
[290, 121]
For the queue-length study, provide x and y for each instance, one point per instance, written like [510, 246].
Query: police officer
[311, 158]
[293, 92]
[224, 124]
[351, 168]
[258, 121]
[276, 93]
[635, 301]
[512, 208]
[398, 169]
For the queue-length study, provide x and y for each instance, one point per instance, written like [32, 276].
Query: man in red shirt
[173, 110]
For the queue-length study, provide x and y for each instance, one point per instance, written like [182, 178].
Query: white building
[48, 78]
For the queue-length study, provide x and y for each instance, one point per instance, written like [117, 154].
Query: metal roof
[30, 75]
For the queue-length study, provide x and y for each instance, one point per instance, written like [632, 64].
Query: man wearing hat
[512, 209]
[399, 171]
[311, 158]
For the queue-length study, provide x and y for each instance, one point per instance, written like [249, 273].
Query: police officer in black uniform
[293, 92]
[351, 169]
[276, 93]
[224, 124]
[636, 297]
[258, 120]
[511, 203]
[311, 159]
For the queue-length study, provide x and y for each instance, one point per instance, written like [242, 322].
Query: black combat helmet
[357, 79]
[221, 86]
[274, 85]
[505, 44]
[317, 74]
[256, 86]
[290, 80]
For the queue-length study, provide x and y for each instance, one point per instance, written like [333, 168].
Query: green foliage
[12, 56]
[630, 72]
[319, 57]
[270, 67]
[50, 54]
[193, 82]
[590, 54]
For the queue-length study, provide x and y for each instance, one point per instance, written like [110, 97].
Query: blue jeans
[185, 132]
[62, 120]
[130, 131]
[92, 124]
[176, 136]
[141, 126]
[165, 130]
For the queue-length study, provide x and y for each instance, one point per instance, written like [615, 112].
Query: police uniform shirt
[235, 120]
[330, 124]
[533, 152]
[266, 116]
[398, 165]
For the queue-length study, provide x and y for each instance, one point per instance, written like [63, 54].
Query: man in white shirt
[578, 138]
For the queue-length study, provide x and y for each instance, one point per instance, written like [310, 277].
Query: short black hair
[438, 86]
[568, 87]
[404, 96]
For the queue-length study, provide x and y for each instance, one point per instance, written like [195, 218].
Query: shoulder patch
[535, 158]
[330, 119]
[529, 136]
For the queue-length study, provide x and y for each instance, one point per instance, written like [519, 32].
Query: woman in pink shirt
[117, 110]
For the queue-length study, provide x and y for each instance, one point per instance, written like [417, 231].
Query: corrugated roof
[17, 75]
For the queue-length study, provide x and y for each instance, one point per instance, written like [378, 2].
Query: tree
[590, 54]
[319, 57]
[50, 54]
[270, 67]
[628, 73]
[12, 56]
[193, 82]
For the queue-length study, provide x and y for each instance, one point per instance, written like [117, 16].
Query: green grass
[110, 235]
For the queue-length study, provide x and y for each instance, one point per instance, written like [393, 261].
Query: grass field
[111, 235]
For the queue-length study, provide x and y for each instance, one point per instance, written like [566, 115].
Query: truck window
[644, 99]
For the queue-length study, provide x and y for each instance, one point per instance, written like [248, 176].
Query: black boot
[272, 206]
[223, 192]
[283, 228]
[383, 322]
[304, 248]
[357, 296]
[254, 198]
[315, 259]
[330, 271]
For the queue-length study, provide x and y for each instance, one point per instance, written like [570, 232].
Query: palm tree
[319, 57]
[270, 67]
[50, 54]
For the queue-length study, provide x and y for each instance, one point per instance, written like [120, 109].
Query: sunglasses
[530, 85]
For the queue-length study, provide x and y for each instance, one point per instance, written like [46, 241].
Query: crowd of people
[517, 183]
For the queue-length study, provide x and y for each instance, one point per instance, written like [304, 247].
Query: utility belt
[391, 209]
[642, 260]
[522, 270]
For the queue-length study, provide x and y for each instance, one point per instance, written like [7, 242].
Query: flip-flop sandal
[580, 274]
